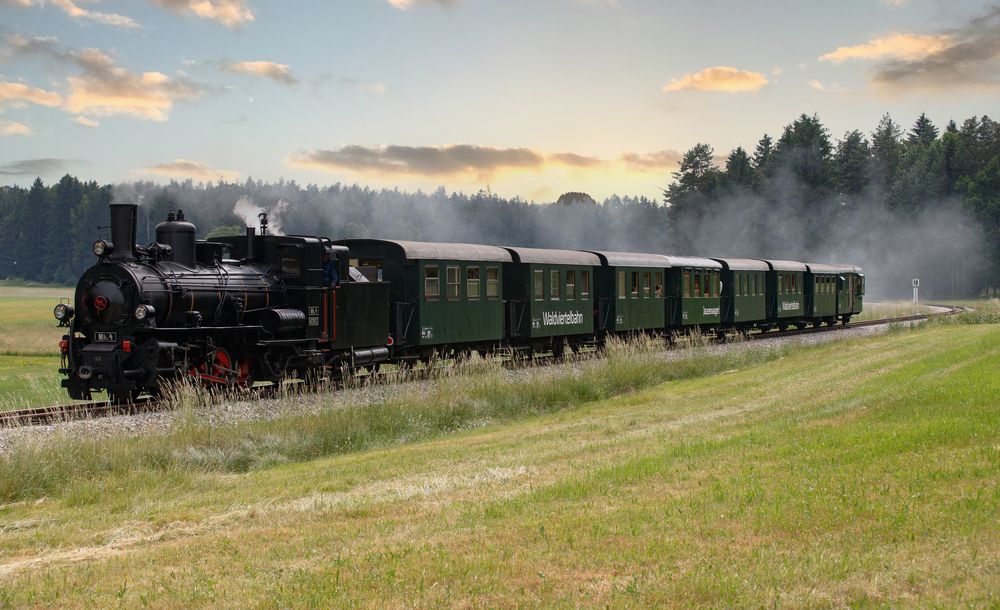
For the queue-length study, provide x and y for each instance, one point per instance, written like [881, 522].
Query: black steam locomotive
[227, 312]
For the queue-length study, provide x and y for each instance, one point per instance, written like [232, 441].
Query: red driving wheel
[221, 371]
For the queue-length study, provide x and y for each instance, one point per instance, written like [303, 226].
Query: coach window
[659, 284]
[454, 284]
[716, 284]
[647, 288]
[697, 284]
[621, 285]
[570, 285]
[539, 285]
[432, 283]
[554, 285]
[687, 283]
[472, 283]
[584, 284]
[635, 285]
[492, 283]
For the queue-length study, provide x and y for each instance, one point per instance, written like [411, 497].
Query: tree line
[917, 202]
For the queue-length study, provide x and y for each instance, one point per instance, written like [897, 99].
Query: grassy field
[861, 472]
[29, 350]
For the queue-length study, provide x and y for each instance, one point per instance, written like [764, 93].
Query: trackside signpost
[916, 291]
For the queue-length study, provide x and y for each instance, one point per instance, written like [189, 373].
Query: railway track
[35, 416]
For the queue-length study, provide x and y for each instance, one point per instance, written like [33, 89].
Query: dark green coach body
[850, 292]
[822, 282]
[630, 292]
[693, 295]
[439, 293]
[744, 303]
[550, 294]
[785, 287]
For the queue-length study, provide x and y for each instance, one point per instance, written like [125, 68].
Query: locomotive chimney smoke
[123, 230]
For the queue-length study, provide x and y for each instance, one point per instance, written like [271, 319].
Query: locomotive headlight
[102, 248]
[63, 312]
[144, 311]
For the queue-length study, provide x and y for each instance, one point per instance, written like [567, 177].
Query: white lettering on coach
[789, 305]
[562, 319]
[710, 311]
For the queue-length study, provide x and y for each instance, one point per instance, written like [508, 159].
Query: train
[262, 307]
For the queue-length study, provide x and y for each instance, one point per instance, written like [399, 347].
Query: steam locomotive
[227, 312]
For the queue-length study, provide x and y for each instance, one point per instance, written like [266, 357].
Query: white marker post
[916, 291]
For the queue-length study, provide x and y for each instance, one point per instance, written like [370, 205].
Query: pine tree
[853, 163]
[762, 161]
[923, 131]
[805, 150]
[739, 172]
[886, 148]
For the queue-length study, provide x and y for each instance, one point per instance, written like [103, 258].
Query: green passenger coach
[629, 291]
[786, 293]
[821, 292]
[693, 292]
[440, 294]
[744, 304]
[549, 297]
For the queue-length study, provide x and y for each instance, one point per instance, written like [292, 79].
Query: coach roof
[693, 261]
[632, 259]
[786, 265]
[554, 257]
[417, 250]
[744, 264]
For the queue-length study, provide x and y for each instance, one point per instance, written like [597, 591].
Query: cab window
[291, 261]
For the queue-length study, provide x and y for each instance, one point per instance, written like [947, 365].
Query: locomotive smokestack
[123, 217]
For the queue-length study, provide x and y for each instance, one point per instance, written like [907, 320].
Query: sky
[528, 98]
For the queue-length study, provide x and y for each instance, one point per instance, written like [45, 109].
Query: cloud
[719, 78]
[36, 167]
[896, 2]
[196, 170]
[376, 88]
[76, 12]
[19, 93]
[435, 160]
[406, 5]
[230, 13]
[664, 160]
[827, 88]
[900, 46]
[86, 122]
[279, 73]
[13, 128]
[971, 60]
[106, 89]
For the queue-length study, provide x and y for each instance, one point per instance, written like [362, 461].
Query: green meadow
[861, 472]
[29, 345]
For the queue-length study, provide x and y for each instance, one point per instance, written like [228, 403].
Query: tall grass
[481, 392]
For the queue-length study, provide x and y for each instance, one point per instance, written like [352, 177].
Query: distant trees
[922, 201]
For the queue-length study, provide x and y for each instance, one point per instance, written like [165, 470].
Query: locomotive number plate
[106, 337]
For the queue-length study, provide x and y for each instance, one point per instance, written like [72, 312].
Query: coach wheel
[782, 326]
